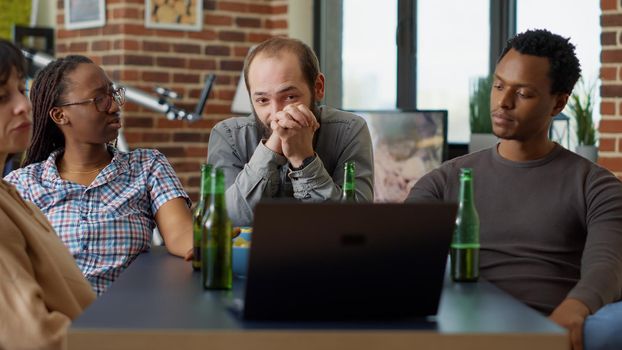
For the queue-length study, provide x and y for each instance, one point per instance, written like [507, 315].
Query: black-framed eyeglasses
[103, 102]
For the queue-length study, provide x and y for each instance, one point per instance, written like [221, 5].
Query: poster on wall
[174, 14]
[14, 12]
[80, 14]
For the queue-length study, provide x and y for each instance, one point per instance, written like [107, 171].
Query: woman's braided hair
[47, 89]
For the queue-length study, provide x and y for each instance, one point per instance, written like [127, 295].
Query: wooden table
[158, 304]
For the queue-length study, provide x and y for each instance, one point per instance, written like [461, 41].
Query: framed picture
[81, 14]
[174, 14]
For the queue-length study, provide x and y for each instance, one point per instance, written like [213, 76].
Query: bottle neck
[218, 190]
[206, 184]
[466, 192]
[348, 178]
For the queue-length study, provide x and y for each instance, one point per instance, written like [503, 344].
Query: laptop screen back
[347, 261]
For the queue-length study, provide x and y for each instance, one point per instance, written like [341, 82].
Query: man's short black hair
[564, 70]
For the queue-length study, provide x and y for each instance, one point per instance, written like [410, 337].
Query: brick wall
[610, 129]
[180, 60]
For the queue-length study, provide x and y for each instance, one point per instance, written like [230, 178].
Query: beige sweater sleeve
[26, 323]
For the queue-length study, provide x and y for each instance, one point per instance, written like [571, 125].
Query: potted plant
[479, 115]
[581, 106]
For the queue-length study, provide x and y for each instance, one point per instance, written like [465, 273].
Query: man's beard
[266, 131]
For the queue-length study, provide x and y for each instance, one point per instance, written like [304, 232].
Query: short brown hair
[307, 59]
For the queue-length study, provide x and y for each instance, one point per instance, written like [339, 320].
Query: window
[450, 59]
[369, 54]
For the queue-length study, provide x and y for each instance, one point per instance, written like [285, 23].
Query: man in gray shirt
[551, 221]
[289, 146]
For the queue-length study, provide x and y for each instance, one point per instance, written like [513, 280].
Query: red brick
[263, 9]
[193, 181]
[125, 12]
[223, 80]
[174, 62]
[209, 5]
[159, 77]
[185, 166]
[61, 48]
[186, 48]
[608, 73]
[65, 34]
[101, 45]
[91, 32]
[205, 124]
[156, 46]
[257, 37]
[608, 38]
[235, 66]
[202, 64]
[172, 152]
[185, 78]
[168, 33]
[610, 126]
[132, 136]
[125, 44]
[203, 35]
[610, 90]
[170, 124]
[612, 163]
[157, 136]
[196, 151]
[111, 60]
[247, 22]
[611, 20]
[608, 5]
[60, 20]
[78, 46]
[216, 20]
[226, 95]
[138, 122]
[138, 60]
[136, 29]
[607, 108]
[112, 29]
[231, 36]
[217, 50]
[619, 144]
[187, 137]
[280, 24]
[278, 10]
[232, 6]
[129, 75]
[217, 108]
[240, 51]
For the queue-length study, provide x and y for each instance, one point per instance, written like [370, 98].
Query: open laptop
[333, 261]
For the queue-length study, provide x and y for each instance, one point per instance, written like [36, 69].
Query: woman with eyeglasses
[103, 203]
[41, 288]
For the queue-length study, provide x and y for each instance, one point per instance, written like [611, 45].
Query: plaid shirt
[107, 224]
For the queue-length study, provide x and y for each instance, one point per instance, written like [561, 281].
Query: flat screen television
[407, 145]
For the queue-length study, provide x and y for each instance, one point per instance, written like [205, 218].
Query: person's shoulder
[334, 115]
[236, 123]
[468, 160]
[143, 156]
[26, 174]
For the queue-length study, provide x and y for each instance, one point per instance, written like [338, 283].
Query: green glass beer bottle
[199, 213]
[216, 272]
[348, 193]
[465, 243]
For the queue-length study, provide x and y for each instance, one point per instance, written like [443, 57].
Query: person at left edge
[103, 203]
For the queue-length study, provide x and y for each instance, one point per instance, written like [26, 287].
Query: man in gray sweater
[551, 221]
[289, 146]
